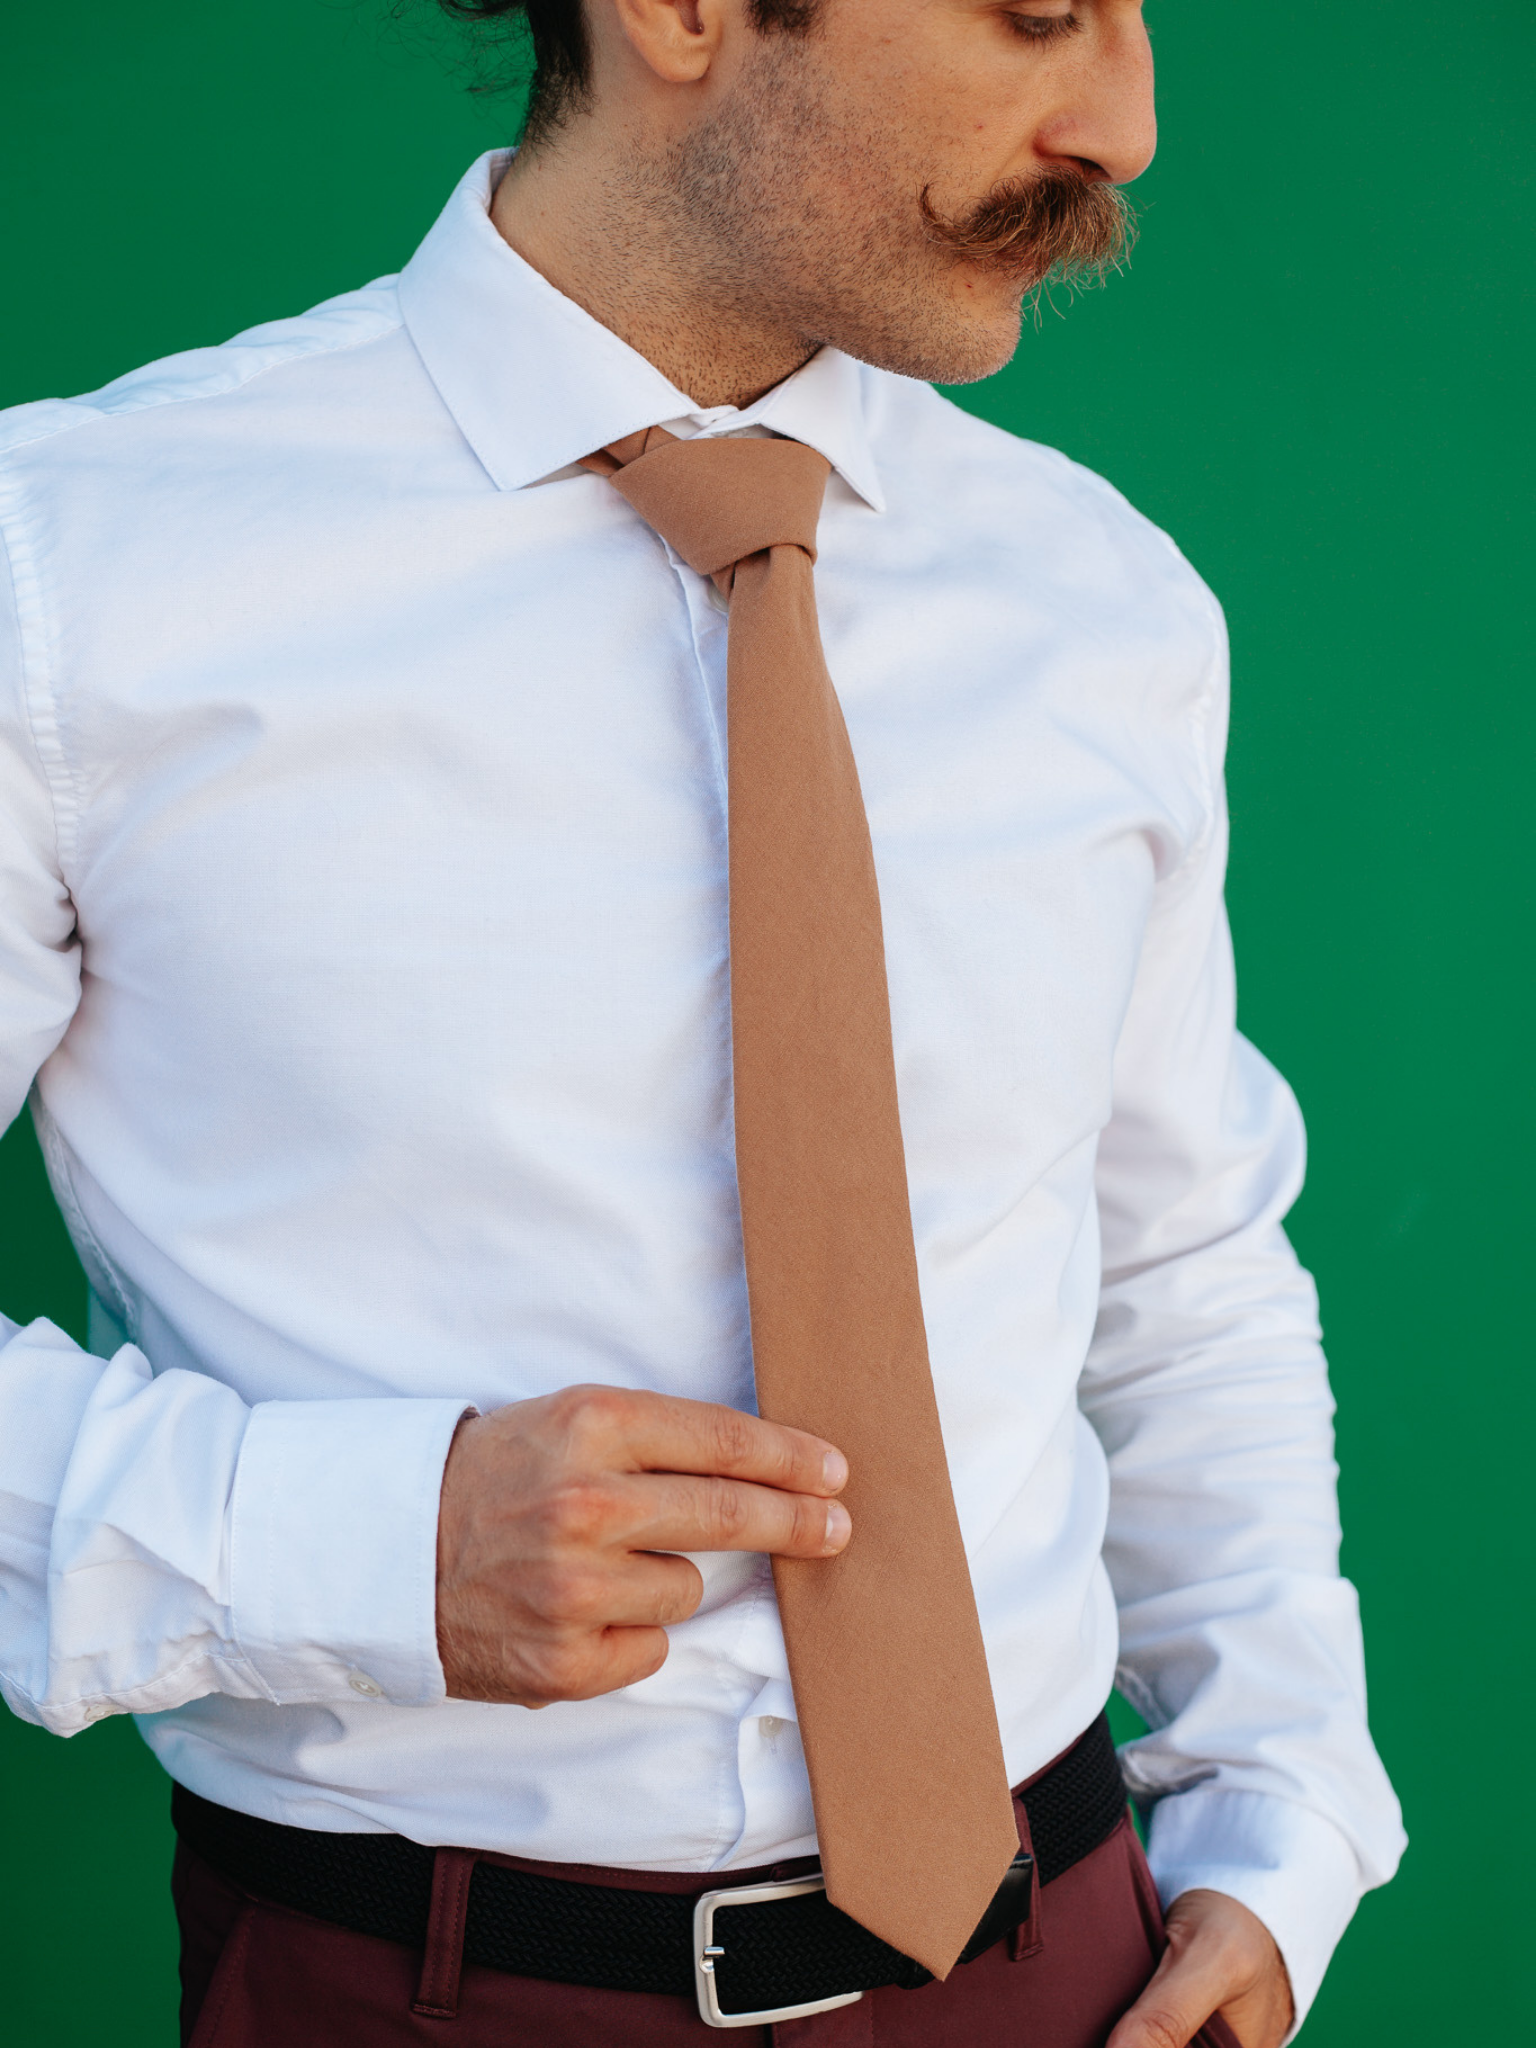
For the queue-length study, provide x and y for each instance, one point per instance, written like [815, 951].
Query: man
[560, 1104]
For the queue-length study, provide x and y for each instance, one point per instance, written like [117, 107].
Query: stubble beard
[783, 215]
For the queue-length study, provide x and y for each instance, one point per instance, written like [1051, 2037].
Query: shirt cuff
[1284, 1862]
[333, 1548]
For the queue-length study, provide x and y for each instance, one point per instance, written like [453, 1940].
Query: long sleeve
[1206, 1383]
[364, 944]
[159, 1539]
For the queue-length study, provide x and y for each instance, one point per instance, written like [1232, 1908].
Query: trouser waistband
[626, 1930]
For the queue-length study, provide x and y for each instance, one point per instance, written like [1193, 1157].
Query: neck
[603, 232]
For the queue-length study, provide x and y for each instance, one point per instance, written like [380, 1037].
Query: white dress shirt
[364, 931]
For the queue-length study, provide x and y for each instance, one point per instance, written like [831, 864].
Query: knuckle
[591, 1415]
[565, 1406]
[602, 1664]
[578, 1514]
[687, 1592]
[635, 1653]
[606, 1408]
[585, 1600]
[570, 1596]
[677, 1593]
[727, 1510]
[732, 1438]
[584, 1666]
[1161, 2028]
[562, 1671]
[655, 1657]
[541, 1591]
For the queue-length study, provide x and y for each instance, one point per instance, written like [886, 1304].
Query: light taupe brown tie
[913, 1813]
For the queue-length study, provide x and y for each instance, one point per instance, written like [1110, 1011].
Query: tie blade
[908, 1781]
[913, 1813]
[926, 1908]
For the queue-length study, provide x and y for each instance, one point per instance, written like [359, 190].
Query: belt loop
[1028, 1938]
[437, 1995]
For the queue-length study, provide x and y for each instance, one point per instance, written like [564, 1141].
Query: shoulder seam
[38, 697]
[1200, 735]
[79, 412]
[33, 644]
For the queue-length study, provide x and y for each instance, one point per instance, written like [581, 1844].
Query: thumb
[1185, 1990]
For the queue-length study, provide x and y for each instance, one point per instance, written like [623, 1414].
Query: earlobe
[677, 39]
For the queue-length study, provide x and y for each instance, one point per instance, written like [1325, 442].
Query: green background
[1317, 377]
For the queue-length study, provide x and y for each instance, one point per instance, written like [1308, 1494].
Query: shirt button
[771, 1726]
[368, 1687]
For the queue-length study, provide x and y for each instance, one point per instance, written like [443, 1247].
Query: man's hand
[1220, 1959]
[552, 1577]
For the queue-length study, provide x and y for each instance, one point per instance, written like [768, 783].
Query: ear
[677, 39]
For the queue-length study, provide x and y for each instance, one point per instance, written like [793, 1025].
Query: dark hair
[562, 55]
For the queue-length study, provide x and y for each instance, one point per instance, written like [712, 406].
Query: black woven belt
[787, 1952]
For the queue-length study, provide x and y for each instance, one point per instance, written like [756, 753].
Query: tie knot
[718, 501]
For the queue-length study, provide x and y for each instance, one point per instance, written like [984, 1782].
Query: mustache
[1053, 224]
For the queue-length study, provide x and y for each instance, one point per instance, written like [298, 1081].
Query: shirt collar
[534, 382]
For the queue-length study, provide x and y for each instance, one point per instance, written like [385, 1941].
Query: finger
[1185, 1990]
[677, 1513]
[650, 1591]
[660, 1433]
[584, 1667]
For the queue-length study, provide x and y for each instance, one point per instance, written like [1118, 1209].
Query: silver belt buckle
[707, 1951]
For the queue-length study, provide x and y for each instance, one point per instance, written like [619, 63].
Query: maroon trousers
[255, 1975]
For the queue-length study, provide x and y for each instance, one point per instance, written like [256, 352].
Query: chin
[957, 351]
[980, 355]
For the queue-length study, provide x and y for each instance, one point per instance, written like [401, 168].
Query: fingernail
[839, 1525]
[834, 1471]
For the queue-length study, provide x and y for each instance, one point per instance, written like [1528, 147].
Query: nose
[1106, 121]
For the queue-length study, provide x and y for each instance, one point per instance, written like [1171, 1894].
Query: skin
[556, 1575]
[728, 202]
